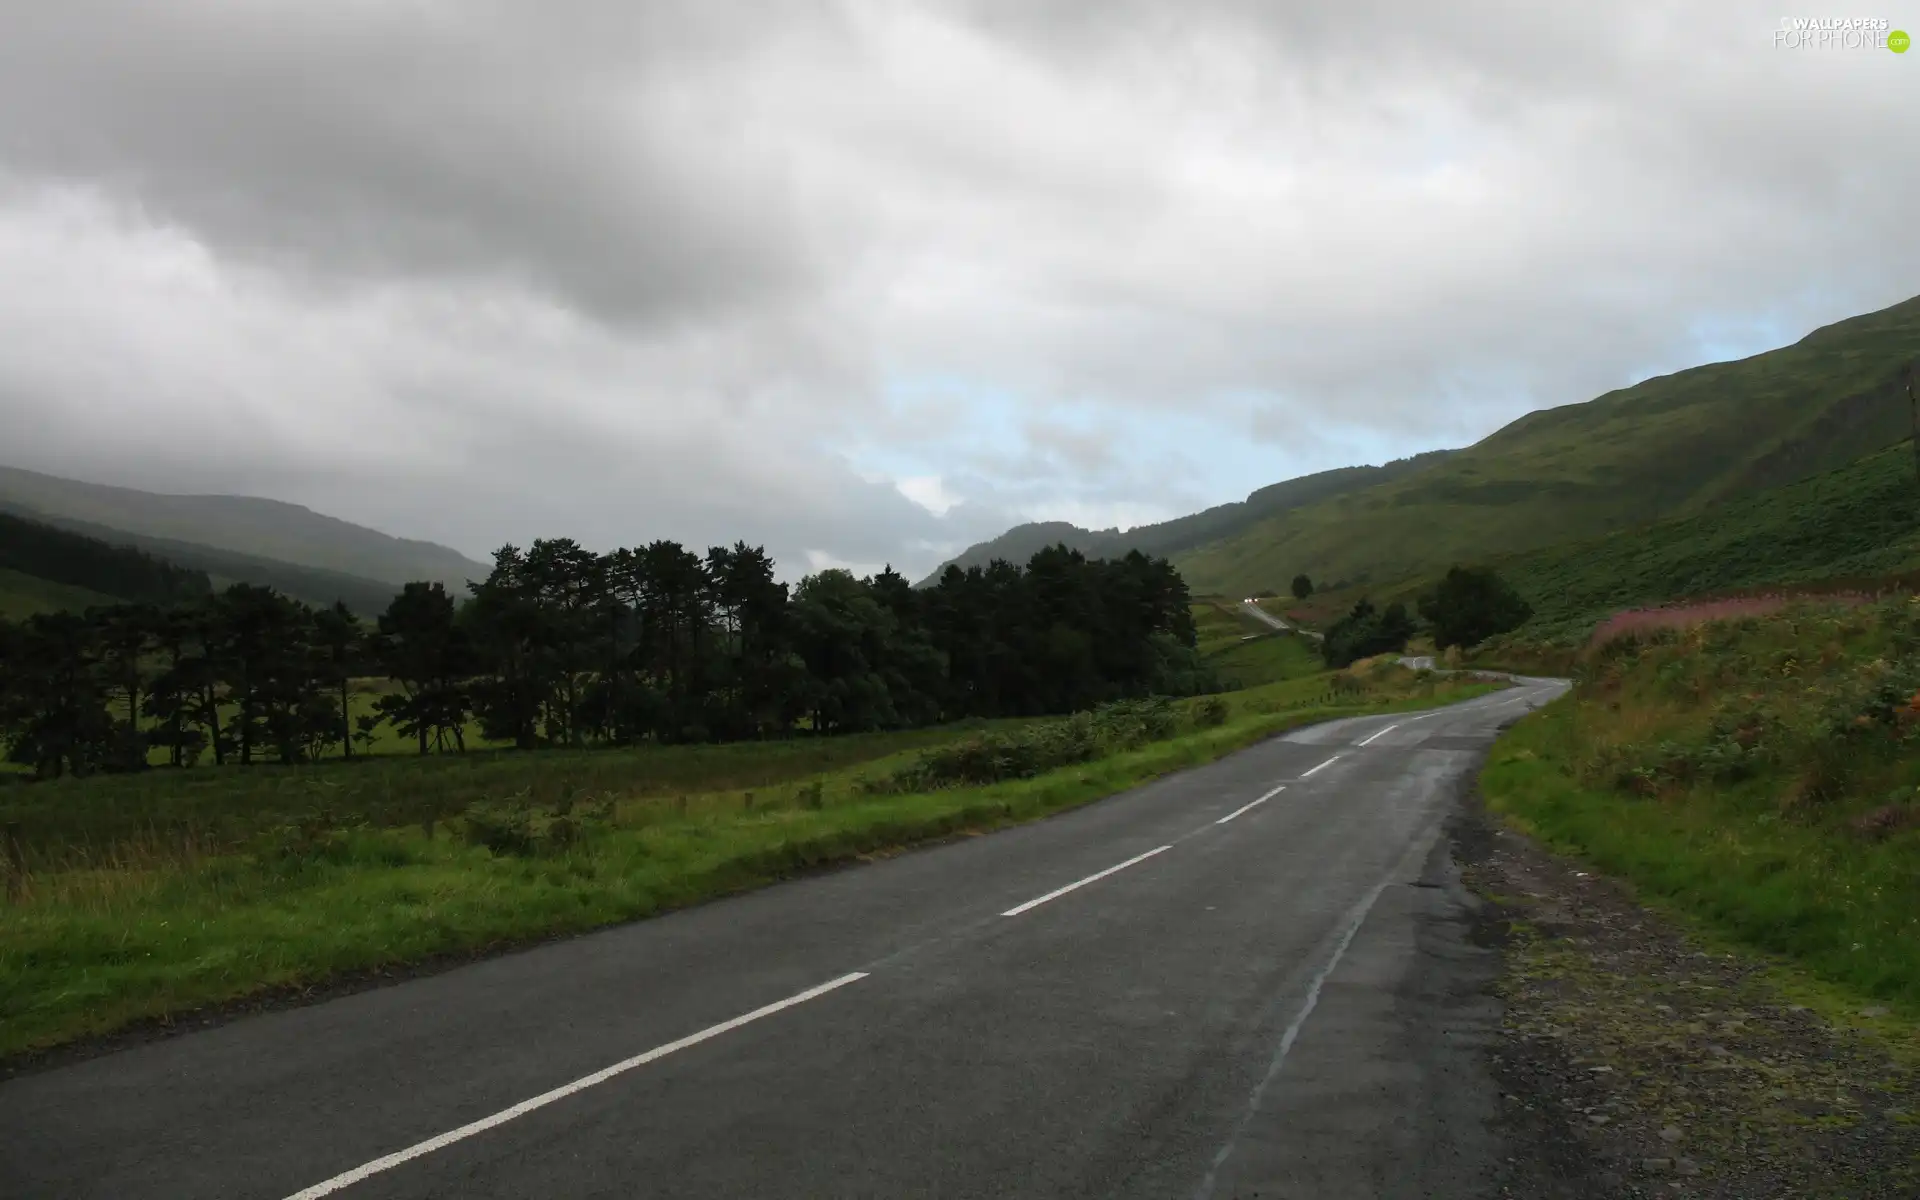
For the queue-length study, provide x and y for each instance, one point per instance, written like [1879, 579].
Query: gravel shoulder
[1635, 1061]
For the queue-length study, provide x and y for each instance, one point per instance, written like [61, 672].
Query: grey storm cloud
[867, 281]
[440, 139]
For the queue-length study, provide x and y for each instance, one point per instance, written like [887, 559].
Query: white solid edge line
[1384, 732]
[1256, 804]
[1328, 763]
[388, 1162]
[1056, 893]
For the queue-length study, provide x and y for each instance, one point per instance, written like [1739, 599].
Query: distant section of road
[1248, 979]
[1254, 609]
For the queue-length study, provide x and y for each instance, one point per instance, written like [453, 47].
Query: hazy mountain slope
[1168, 538]
[1668, 446]
[247, 525]
[314, 585]
[64, 559]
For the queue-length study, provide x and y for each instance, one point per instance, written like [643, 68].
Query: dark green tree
[1302, 587]
[172, 694]
[269, 670]
[677, 637]
[423, 649]
[841, 633]
[505, 624]
[126, 635]
[54, 696]
[569, 587]
[204, 673]
[1366, 631]
[1471, 605]
[759, 675]
[340, 644]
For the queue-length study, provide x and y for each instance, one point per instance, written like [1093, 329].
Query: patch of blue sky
[1133, 463]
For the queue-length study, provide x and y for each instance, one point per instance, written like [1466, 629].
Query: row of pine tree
[561, 646]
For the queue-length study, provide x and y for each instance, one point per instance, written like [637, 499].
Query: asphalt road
[1270, 996]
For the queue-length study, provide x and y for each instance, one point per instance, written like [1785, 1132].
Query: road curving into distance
[1253, 609]
[1251, 978]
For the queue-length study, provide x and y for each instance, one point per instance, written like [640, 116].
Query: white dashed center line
[1256, 804]
[1056, 893]
[1384, 732]
[1322, 766]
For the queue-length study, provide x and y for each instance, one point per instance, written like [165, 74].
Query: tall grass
[1761, 774]
[1638, 622]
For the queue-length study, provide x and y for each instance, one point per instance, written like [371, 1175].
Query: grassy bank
[1758, 775]
[156, 927]
[78, 822]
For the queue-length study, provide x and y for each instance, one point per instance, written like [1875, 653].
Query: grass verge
[153, 933]
[1753, 777]
[69, 822]
[1637, 1054]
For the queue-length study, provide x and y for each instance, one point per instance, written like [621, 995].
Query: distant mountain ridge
[271, 530]
[1670, 446]
[1166, 539]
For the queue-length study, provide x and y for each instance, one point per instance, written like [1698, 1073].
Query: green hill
[1168, 538]
[257, 529]
[95, 569]
[1858, 523]
[1670, 446]
[22, 595]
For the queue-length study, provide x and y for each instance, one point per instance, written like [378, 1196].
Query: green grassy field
[365, 694]
[1247, 651]
[80, 821]
[1222, 626]
[1269, 658]
[152, 924]
[22, 596]
[1758, 776]
[1670, 446]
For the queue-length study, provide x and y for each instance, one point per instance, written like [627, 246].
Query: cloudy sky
[868, 281]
